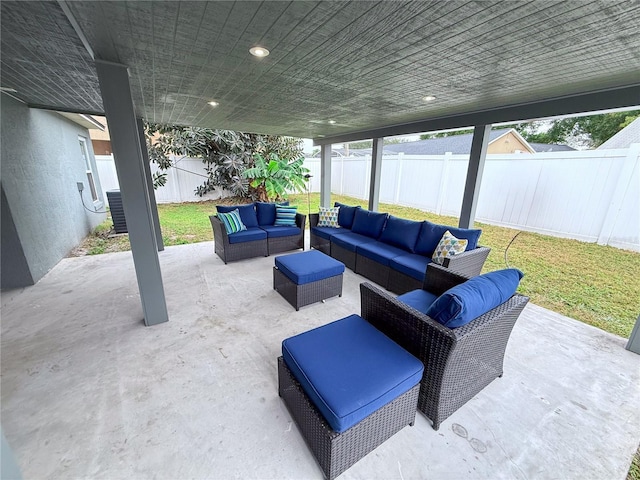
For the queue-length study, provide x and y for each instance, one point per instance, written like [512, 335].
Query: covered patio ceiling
[336, 70]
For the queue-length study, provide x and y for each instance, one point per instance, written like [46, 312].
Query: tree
[226, 154]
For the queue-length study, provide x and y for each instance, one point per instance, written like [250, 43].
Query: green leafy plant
[226, 154]
[273, 177]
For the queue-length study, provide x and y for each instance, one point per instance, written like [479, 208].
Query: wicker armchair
[458, 362]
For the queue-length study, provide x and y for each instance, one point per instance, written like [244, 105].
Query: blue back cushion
[266, 212]
[431, 233]
[349, 369]
[368, 223]
[345, 214]
[467, 301]
[247, 213]
[401, 233]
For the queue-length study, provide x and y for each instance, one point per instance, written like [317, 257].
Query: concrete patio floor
[89, 392]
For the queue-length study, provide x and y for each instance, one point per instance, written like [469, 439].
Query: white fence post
[398, 184]
[444, 180]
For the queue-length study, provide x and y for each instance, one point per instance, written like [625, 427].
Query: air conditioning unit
[117, 211]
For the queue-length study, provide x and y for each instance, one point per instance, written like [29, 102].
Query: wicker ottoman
[307, 277]
[349, 388]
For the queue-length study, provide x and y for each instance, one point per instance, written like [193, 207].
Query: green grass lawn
[591, 283]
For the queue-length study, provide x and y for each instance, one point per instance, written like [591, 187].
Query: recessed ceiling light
[213, 103]
[332, 122]
[428, 98]
[259, 51]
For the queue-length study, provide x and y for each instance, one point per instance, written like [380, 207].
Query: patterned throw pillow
[286, 216]
[448, 247]
[231, 221]
[328, 217]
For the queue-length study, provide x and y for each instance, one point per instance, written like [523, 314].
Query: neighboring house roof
[456, 144]
[550, 147]
[625, 137]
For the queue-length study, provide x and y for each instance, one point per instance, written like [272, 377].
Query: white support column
[325, 175]
[150, 189]
[477, 157]
[125, 143]
[376, 170]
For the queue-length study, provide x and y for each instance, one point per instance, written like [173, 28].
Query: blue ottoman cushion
[349, 369]
[307, 267]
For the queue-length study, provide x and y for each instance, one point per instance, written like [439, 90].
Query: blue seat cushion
[469, 300]
[401, 233]
[276, 231]
[411, 264]
[327, 232]
[379, 252]
[431, 233]
[349, 240]
[247, 213]
[368, 223]
[307, 267]
[349, 369]
[419, 299]
[266, 212]
[345, 214]
[248, 235]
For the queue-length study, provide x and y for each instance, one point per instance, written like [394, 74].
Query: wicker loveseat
[391, 251]
[459, 362]
[261, 237]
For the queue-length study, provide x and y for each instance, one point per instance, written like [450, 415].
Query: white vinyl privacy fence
[592, 195]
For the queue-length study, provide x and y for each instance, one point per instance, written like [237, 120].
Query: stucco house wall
[41, 165]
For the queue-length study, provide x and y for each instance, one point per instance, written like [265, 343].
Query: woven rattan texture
[372, 270]
[230, 252]
[336, 452]
[345, 256]
[308, 293]
[459, 362]
[294, 242]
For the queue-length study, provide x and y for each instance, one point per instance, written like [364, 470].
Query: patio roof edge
[625, 96]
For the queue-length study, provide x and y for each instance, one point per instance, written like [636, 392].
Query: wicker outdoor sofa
[391, 251]
[261, 237]
[459, 362]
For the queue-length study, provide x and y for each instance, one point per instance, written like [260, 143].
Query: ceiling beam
[586, 102]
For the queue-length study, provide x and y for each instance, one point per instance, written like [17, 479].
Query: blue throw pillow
[286, 216]
[368, 223]
[247, 213]
[266, 212]
[467, 301]
[346, 214]
[232, 222]
[401, 233]
[431, 233]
